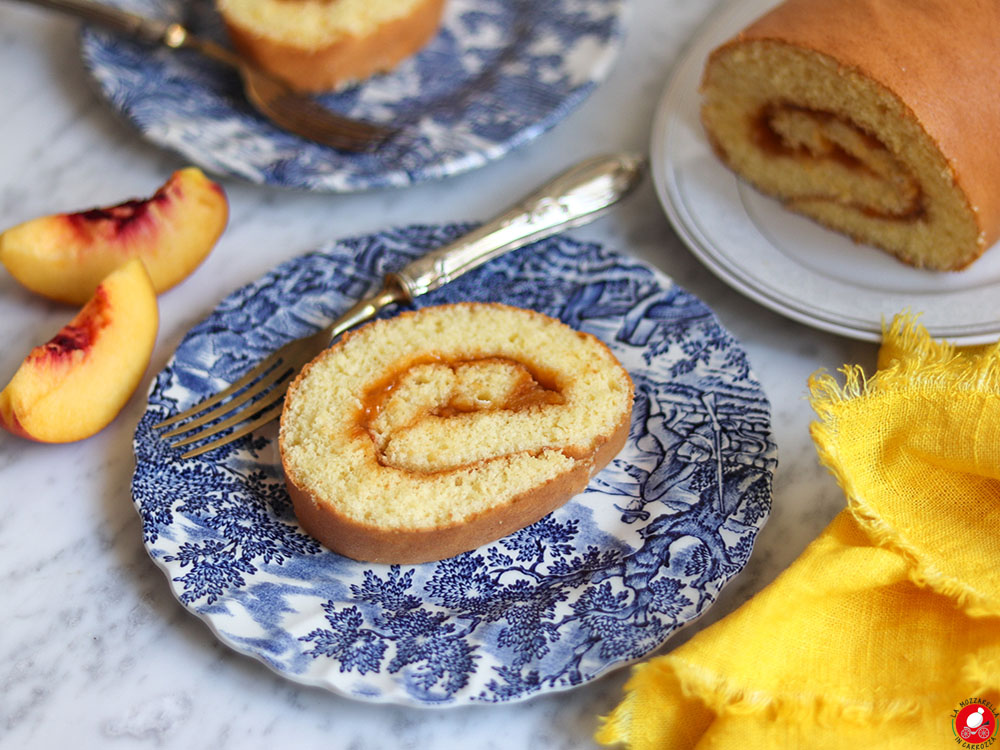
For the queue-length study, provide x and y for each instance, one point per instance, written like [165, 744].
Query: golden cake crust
[939, 57]
[388, 542]
[360, 541]
[348, 59]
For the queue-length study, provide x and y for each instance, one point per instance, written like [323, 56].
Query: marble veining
[94, 649]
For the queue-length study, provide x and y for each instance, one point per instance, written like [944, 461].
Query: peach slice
[74, 385]
[65, 256]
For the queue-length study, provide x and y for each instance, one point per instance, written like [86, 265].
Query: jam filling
[768, 138]
[532, 388]
[535, 390]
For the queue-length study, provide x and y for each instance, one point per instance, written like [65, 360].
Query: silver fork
[571, 199]
[271, 97]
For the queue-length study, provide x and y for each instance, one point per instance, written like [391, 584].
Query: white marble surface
[94, 650]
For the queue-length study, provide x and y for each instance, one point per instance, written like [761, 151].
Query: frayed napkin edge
[919, 361]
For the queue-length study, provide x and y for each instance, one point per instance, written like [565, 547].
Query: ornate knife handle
[571, 199]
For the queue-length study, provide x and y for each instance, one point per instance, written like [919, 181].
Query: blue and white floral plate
[498, 74]
[599, 583]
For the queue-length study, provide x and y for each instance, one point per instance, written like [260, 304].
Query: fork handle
[120, 21]
[140, 28]
[571, 199]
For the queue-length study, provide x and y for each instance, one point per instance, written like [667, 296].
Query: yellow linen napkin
[886, 631]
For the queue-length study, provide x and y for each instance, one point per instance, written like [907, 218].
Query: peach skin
[73, 386]
[65, 256]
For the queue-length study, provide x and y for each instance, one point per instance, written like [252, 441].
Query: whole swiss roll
[877, 118]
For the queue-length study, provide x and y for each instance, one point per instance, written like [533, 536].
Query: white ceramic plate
[787, 262]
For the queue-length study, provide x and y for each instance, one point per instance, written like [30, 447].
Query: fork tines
[261, 390]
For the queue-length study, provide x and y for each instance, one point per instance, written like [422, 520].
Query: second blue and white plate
[498, 74]
[597, 584]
